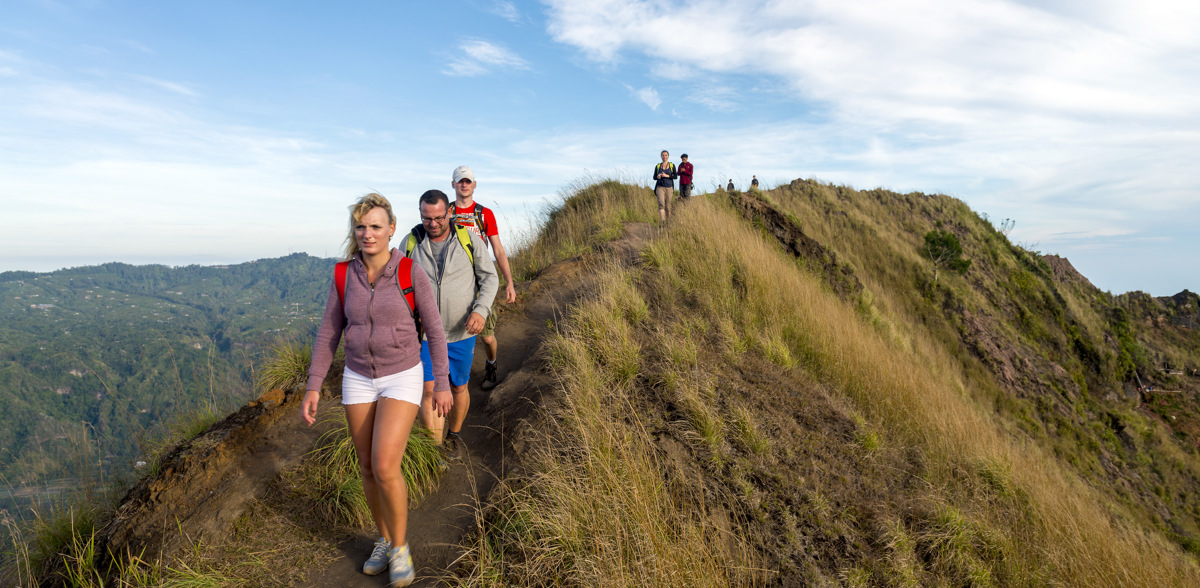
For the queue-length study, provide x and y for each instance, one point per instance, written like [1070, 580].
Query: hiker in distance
[753, 182]
[685, 177]
[480, 220]
[730, 187]
[664, 185]
[464, 285]
[374, 300]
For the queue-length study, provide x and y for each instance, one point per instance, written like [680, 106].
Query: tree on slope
[943, 250]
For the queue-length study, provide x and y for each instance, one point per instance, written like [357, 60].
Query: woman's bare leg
[393, 423]
[361, 419]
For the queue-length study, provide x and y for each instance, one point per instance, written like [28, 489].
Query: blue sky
[213, 132]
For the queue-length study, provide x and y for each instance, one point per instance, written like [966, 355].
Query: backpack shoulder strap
[480, 223]
[339, 281]
[464, 237]
[415, 236]
[404, 280]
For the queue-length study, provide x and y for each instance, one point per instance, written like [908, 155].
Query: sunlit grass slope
[1053, 355]
[723, 418]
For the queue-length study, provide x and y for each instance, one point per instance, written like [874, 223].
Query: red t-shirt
[465, 217]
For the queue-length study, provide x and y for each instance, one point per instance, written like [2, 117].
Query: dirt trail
[438, 524]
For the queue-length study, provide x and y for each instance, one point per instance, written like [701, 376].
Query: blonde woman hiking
[374, 301]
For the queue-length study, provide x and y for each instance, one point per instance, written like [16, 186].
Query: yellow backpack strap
[409, 244]
[464, 237]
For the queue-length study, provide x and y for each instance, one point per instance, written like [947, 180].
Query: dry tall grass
[601, 508]
[919, 395]
[591, 212]
[597, 510]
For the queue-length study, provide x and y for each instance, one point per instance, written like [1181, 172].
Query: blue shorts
[461, 353]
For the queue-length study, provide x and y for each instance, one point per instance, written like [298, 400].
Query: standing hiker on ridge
[374, 299]
[753, 182]
[479, 219]
[664, 185]
[730, 187]
[685, 178]
[464, 284]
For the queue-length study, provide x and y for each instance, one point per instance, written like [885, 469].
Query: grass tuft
[331, 477]
[285, 366]
[748, 434]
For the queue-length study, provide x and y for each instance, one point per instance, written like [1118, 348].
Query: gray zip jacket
[460, 288]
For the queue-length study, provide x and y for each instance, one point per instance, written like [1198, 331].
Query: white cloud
[506, 10]
[672, 71]
[1082, 120]
[138, 46]
[718, 98]
[479, 57]
[167, 85]
[649, 96]
[919, 59]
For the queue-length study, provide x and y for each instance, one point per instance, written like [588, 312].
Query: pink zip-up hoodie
[381, 338]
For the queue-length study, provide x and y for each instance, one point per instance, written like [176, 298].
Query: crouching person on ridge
[464, 283]
[375, 299]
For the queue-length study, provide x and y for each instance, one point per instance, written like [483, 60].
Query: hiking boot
[400, 567]
[489, 380]
[452, 449]
[379, 558]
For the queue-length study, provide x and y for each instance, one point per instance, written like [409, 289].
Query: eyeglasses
[437, 219]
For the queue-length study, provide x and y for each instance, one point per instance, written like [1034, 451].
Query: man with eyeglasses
[479, 219]
[465, 283]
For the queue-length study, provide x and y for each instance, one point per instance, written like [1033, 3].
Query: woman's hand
[443, 401]
[308, 410]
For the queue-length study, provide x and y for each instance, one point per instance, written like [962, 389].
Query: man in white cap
[479, 219]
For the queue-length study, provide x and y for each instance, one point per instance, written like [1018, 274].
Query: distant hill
[105, 357]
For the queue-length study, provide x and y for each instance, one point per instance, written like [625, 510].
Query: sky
[225, 131]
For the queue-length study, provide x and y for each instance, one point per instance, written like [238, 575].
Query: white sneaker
[379, 558]
[401, 570]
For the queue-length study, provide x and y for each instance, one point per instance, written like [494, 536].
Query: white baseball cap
[462, 172]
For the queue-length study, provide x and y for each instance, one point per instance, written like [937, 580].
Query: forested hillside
[98, 361]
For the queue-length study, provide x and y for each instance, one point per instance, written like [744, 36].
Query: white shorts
[406, 385]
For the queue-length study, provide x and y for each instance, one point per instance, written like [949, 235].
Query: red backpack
[403, 278]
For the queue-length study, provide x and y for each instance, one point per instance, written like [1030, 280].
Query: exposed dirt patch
[1064, 271]
[205, 484]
